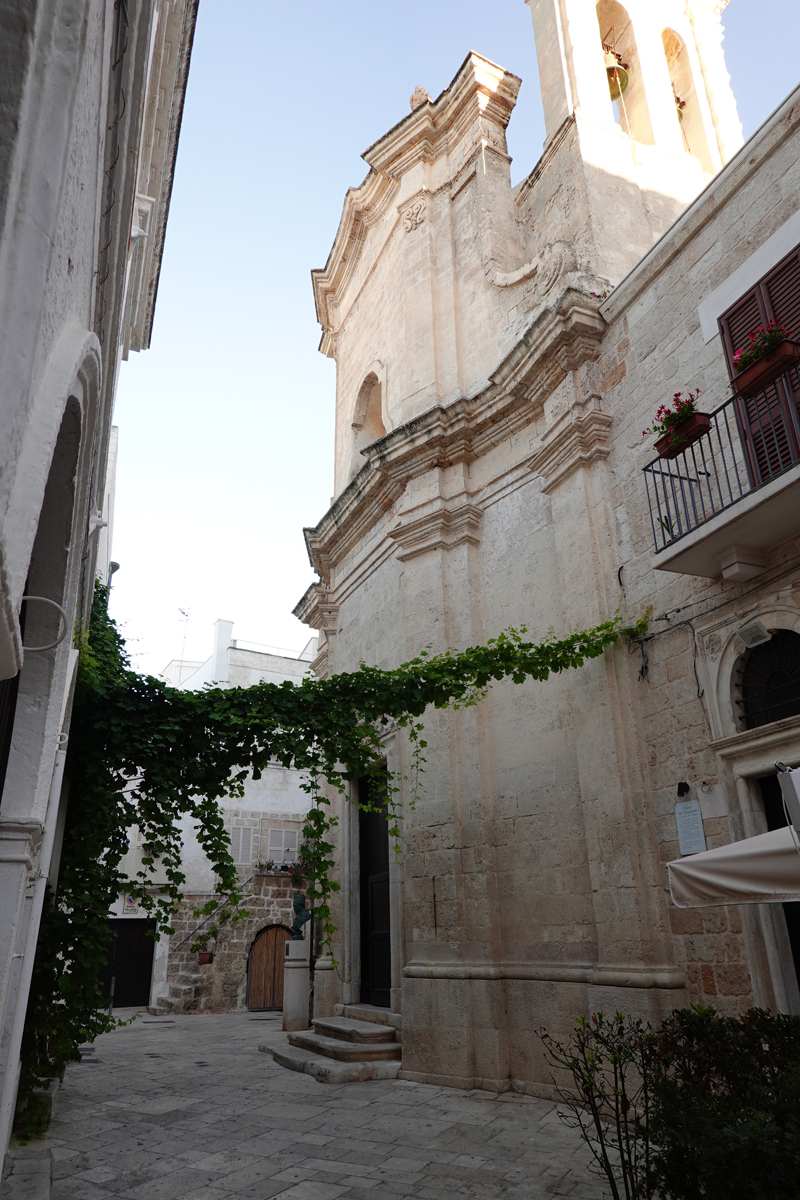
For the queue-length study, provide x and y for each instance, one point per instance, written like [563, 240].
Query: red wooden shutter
[769, 419]
[738, 322]
[782, 293]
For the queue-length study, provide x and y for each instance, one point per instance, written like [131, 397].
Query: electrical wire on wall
[688, 622]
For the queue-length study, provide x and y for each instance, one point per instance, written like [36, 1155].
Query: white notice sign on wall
[691, 835]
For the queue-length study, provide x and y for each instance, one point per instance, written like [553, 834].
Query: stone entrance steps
[344, 1049]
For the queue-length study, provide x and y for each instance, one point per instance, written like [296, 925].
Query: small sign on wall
[691, 835]
[130, 904]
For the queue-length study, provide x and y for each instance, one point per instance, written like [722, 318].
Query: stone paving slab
[185, 1108]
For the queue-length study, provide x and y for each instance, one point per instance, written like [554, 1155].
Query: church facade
[498, 353]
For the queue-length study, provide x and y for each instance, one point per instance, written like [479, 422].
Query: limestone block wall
[532, 885]
[221, 986]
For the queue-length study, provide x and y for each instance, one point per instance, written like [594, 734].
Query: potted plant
[770, 354]
[204, 955]
[678, 425]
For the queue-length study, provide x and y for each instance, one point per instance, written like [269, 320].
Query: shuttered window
[283, 845]
[770, 420]
[241, 843]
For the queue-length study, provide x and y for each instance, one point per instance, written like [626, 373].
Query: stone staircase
[357, 1044]
[185, 994]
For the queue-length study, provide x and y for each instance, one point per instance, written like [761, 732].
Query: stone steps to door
[342, 1050]
[345, 1051]
[329, 1070]
[363, 1032]
[371, 1012]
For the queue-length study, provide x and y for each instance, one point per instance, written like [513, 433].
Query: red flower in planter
[762, 340]
[669, 420]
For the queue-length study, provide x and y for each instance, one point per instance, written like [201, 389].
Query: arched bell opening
[367, 424]
[625, 82]
[686, 100]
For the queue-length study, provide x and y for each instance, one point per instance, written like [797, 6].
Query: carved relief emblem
[557, 259]
[414, 215]
[713, 645]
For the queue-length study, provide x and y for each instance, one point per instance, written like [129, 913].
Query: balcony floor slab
[759, 521]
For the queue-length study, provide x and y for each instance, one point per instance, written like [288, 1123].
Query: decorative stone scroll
[414, 215]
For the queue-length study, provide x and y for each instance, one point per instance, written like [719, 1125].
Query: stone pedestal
[326, 987]
[296, 985]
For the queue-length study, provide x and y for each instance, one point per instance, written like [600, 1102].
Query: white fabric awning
[757, 870]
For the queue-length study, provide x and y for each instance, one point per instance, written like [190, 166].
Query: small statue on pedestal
[301, 916]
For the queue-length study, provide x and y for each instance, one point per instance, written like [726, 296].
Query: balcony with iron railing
[729, 497]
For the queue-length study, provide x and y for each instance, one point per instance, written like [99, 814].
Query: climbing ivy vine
[143, 754]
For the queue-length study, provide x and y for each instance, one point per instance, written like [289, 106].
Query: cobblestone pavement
[186, 1108]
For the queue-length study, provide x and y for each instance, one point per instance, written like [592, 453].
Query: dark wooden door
[376, 964]
[776, 819]
[265, 969]
[127, 976]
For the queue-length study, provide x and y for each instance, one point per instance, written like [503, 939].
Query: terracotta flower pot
[763, 371]
[675, 442]
[204, 957]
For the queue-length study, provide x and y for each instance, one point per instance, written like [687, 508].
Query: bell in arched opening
[616, 72]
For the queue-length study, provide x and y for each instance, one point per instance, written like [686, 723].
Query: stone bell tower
[642, 93]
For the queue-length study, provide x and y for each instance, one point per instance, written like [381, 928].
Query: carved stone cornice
[443, 527]
[363, 207]
[560, 339]
[20, 839]
[576, 439]
[319, 666]
[318, 610]
[480, 89]
[481, 93]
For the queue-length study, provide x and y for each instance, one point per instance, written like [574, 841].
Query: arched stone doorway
[265, 969]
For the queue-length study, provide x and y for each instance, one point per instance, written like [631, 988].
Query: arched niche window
[630, 110]
[367, 423]
[769, 680]
[686, 101]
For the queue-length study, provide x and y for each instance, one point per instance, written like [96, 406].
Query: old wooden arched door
[265, 969]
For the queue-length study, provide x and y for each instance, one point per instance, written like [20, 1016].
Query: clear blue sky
[226, 423]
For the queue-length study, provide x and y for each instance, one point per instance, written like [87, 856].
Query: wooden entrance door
[265, 969]
[376, 957]
[127, 976]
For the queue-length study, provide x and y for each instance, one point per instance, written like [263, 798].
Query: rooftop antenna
[185, 614]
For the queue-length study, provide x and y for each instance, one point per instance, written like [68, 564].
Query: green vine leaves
[146, 756]
[156, 754]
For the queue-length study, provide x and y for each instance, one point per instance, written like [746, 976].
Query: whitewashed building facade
[91, 98]
[264, 827]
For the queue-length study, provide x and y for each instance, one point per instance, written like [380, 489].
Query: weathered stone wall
[221, 986]
[533, 886]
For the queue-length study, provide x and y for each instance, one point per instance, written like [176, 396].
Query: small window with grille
[282, 845]
[241, 844]
[769, 680]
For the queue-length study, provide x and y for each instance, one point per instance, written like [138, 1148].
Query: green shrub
[706, 1107]
[725, 1118]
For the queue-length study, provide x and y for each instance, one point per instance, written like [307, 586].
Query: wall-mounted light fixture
[754, 634]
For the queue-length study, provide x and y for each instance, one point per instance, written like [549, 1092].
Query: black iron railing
[749, 443]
